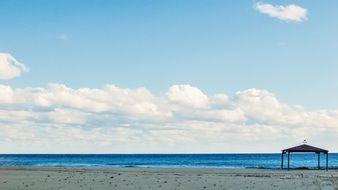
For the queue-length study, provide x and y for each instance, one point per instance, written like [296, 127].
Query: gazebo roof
[305, 148]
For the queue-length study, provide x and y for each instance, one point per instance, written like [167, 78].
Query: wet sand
[168, 179]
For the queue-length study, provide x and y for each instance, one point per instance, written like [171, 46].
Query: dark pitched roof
[304, 148]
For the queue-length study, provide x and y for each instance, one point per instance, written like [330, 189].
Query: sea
[236, 161]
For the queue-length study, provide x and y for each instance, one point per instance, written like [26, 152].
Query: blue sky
[217, 46]
[220, 46]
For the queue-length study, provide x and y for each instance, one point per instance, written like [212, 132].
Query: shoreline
[165, 170]
[98, 168]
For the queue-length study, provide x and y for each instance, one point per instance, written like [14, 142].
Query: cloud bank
[59, 119]
[286, 13]
[112, 119]
[10, 67]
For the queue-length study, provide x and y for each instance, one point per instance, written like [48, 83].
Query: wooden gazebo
[305, 148]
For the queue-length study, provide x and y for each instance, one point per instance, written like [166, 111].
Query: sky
[155, 76]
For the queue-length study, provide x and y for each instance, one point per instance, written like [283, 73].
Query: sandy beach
[169, 179]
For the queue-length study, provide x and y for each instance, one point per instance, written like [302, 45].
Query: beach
[168, 179]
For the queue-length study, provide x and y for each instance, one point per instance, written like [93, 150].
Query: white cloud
[16, 115]
[222, 115]
[67, 116]
[134, 120]
[263, 107]
[286, 13]
[220, 100]
[6, 94]
[10, 67]
[187, 95]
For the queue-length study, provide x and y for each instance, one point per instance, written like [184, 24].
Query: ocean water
[267, 161]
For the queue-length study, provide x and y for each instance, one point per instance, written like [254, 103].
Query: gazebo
[305, 148]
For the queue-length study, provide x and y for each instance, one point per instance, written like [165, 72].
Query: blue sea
[266, 161]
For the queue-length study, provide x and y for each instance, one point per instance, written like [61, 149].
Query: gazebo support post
[288, 160]
[327, 161]
[282, 163]
[318, 160]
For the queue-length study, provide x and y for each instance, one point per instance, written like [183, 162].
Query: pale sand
[170, 179]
